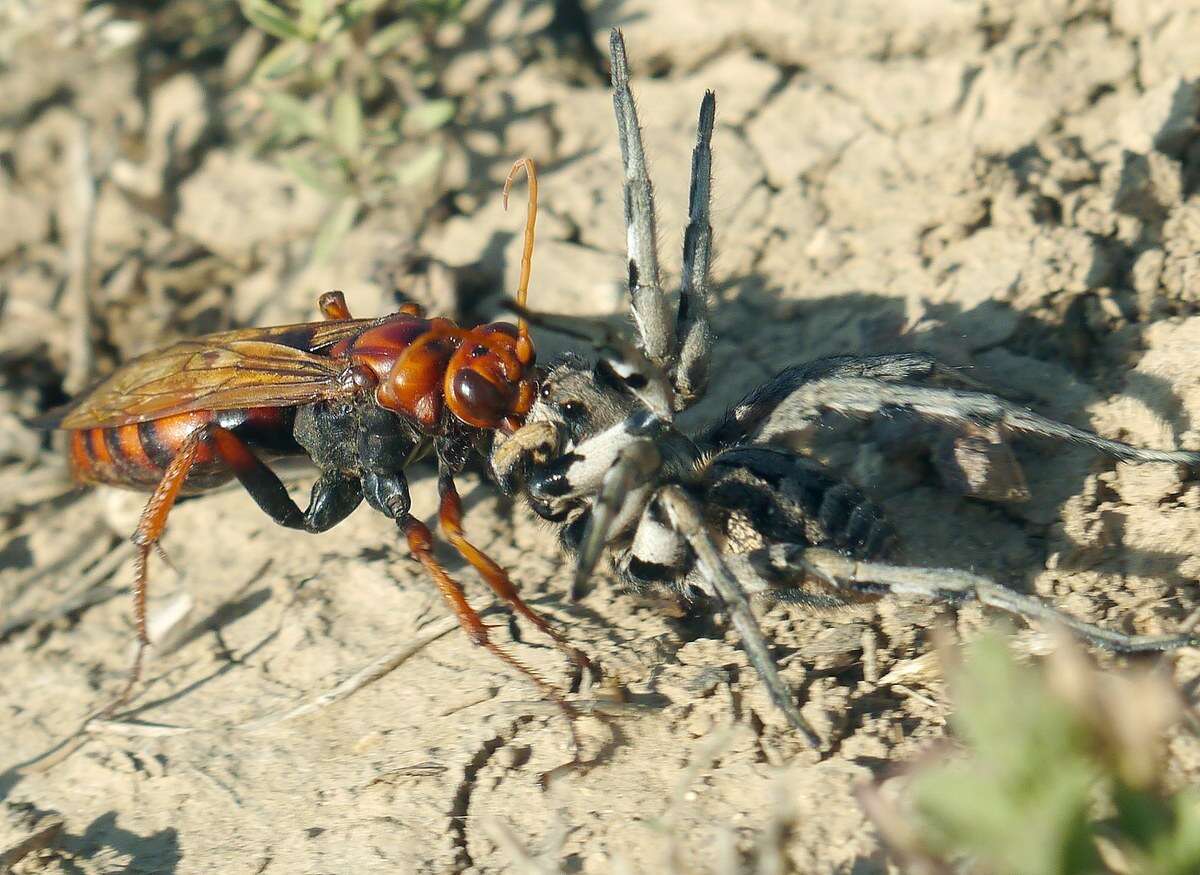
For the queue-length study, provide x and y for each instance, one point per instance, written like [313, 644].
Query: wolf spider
[727, 510]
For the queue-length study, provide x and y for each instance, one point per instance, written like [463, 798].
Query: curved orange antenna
[524, 344]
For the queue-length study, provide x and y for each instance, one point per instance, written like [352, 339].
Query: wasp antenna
[525, 345]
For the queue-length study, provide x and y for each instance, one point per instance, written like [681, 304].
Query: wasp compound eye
[482, 403]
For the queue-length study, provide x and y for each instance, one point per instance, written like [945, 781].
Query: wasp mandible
[362, 398]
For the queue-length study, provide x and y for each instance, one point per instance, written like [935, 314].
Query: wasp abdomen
[136, 455]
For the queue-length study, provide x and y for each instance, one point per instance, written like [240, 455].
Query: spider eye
[574, 410]
[478, 351]
[544, 392]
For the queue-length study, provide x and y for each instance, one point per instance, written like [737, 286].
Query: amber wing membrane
[270, 367]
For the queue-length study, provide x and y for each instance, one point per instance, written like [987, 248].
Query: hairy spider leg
[654, 319]
[689, 521]
[680, 344]
[950, 585]
[693, 335]
[863, 397]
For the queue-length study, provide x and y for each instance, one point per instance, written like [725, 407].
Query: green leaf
[327, 181]
[334, 229]
[270, 18]
[356, 9]
[312, 13]
[280, 61]
[347, 124]
[1179, 853]
[440, 9]
[1020, 802]
[290, 111]
[330, 27]
[383, 41]
[421, 167]
[432, 114]
[1167, 842]
[324, 68]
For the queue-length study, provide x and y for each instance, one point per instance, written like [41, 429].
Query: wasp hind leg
[334, 496]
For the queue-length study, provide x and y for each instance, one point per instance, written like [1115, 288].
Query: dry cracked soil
[1011, 186]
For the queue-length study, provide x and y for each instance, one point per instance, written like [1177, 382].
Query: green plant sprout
[1064, 773]
[343, 87]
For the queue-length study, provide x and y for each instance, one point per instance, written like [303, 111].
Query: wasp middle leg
[420, 543]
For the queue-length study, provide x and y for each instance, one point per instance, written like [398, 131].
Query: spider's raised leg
[654, 319]
[694, 337]
[742, 420]
[949, 585]
[861, 397]
[686, 518]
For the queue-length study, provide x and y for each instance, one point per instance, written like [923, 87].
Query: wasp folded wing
[219, 372]
[304, 336]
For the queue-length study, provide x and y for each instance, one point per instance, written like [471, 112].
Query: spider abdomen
[784, 498]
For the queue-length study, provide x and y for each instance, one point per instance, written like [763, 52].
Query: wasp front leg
[450, 518]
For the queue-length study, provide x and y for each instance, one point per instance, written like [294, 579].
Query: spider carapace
[363, 398]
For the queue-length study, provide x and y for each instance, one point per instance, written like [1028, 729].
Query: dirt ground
[1008, 185]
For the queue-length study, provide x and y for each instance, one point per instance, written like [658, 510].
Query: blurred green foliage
[1064, 773]
[344, 85]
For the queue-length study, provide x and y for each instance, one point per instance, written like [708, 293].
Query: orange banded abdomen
[135, 456]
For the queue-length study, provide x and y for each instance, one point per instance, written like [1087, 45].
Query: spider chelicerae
[731, 510]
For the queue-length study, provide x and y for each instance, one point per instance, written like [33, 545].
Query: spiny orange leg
[420, 543]
[333, 306]
[524, 344]
[450, 518]
[149, 530]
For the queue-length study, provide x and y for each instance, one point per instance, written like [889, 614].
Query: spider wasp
[362, 398]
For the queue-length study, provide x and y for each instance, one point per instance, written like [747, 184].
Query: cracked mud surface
[1009, 186]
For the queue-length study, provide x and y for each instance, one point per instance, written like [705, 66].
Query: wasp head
[489, 379]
